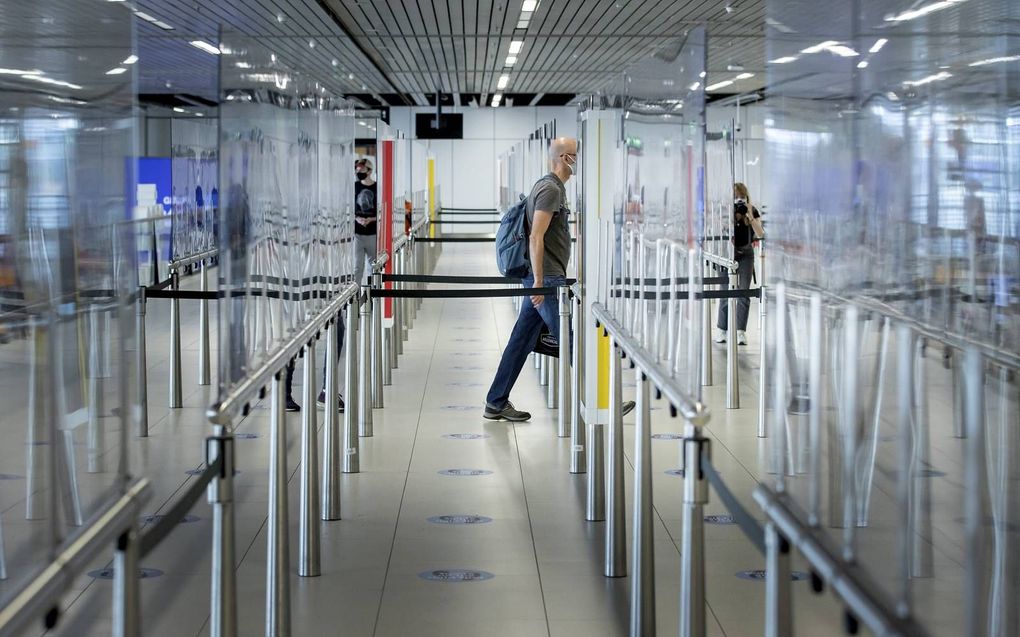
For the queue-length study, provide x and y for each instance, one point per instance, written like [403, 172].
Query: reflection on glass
[891, 173]
[67, 272]
[286, 216]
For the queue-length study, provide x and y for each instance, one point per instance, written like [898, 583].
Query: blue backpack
[512, 241]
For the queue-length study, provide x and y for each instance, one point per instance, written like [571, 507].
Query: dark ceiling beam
[324, 4]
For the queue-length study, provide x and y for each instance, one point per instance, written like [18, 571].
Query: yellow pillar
[431, 181]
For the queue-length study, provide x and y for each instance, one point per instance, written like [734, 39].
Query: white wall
[466, 168]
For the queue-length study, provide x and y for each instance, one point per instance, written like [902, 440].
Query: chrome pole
[732, 372]
[364, 369]
[552, 385]
[851, 353]
[595, 502]
[904, 434]
[3, 553]
[175, 343]
[223, 584]
[331, 439]
[278, 541]
[377, 377]
[959, 411]
[616, 513]
[543, 370]
[310, 527]
[141, 367]
[815, 336]
[127, 620]
[390, 350]
[922, 553]
[204, 372]
[706, 340]
[565, 378]
[96, 430]
[973, 372]
[39, 403]
[642, 589]
[778, 598]
[762, 362]
[351, 443]
[692, 536]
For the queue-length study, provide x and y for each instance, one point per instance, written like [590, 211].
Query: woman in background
[746, 228]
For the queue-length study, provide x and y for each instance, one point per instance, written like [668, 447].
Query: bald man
[549, 250]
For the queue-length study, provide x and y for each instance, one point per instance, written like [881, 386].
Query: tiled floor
[545, 559]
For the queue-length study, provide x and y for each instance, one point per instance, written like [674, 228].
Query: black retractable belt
[478, 239]
[437, 278]
[462, 294]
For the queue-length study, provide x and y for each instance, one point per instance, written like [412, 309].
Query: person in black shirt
[746, 220]
[365, 208]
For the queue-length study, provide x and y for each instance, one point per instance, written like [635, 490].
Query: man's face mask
[570, 161]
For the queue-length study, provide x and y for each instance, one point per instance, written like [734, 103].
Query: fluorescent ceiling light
[146, 17]
[503, 81]
[718, 85]
[784, 60]
[515, 46]
[913, 14]
[199, 114]
[205, 46]
[34, 76]
[242, 65]
[511, 60]
[695, 86]
[998, 60]
[529, 5]
[745, 76]
[821, 46]
[702, 75]
[929, 79]
[843, 51]
[877, 46]
[131, 59]
[178, 109]
[163, 25]
[19, 72]
[117, 71]
[522, 23]
[496, 99]
[863, 64]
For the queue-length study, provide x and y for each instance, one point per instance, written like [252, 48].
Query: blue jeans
[523, 339]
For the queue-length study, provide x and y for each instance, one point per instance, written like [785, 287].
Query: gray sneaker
[507, 413]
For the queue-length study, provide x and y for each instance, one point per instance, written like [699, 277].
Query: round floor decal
[455, 575]
[465, 436]
[719, 519]
[464, 472]
[246, 436]
[459, 519]
[156, 517]
[143, 573]
[758, 575]
[465, 384]
[667, 436]
[674, 472]
[459, 407]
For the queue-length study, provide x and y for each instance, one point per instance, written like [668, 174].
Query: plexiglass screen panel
[195, 191]
[68, 277]
[660, 224]
[891, 176]
[284, 232]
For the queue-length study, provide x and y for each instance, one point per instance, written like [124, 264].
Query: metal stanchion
[141, 367]
[959, 412]
[563, 377]
[573, 387]
[706, 341]
[616, 511]
[278, 540]
[332, 442]
[642, 581]
[351, 443]
[204, 373]
[223, 585]
[377, 376]
[308, 546]
[175, 343]
[815, 340]
[364, 369]
[692, 536]
[732, 372]
[552, 384]
[778, 597]
[96, 431]
[389, 351]
[762, 364]
[127, 620]
[543, 370]
[922, 551]
[975, 482]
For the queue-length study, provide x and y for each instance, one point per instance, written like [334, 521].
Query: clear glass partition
[660, 221]
[195, 175]
[68, 275]
[285, 227]
[891, 174]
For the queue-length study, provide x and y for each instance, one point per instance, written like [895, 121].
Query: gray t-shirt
[549, 194]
